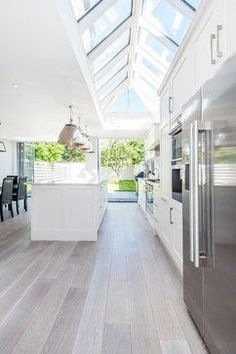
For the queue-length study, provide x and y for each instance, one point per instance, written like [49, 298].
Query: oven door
[177, 147]
[177, 182]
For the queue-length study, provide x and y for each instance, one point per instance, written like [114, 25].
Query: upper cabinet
[210, 44]
[182, 84]
[165, 106]
[230, 26]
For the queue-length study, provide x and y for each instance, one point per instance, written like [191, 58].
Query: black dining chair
[20, 193]
[6, 196]
[15, 182]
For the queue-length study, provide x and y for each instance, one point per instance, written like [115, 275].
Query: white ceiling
[41, 52]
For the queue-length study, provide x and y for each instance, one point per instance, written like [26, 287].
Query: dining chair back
[6, 196]
[21, 193]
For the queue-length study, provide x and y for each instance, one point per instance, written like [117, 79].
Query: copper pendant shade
[67, 134]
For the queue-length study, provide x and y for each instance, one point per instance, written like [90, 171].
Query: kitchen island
[67, 211]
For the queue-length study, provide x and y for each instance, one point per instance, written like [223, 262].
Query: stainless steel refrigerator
[209, 209]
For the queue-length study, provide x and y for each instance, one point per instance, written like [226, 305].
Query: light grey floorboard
[119, 295]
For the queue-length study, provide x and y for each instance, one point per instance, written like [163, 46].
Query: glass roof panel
[105, 78]
[128, 102]
[164, 54]
[111, 51]
[112, 85]
[82, 6]
[169, 20]
[150, 66]
[106, 24]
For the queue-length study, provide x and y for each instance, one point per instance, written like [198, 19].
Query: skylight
[122, 54]
[128, 102]
[106, 23]
[110, 52]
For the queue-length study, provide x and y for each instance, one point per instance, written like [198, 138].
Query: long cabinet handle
[170, 104]
[171, 220]
[219, 52]
[208, 192]
[213, 38]
[191, 204]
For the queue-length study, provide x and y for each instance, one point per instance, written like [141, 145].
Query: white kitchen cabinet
[177, 234]
[210, 44]
[165, 107]
[165, 163]
[166, 229]
[230, 26]
[182, 84]
[142, 193]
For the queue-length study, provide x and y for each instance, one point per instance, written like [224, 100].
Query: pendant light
[91, 149]
[2, 145]
[67, 134]
[79, 140]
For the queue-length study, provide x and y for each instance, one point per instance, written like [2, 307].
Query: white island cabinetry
[67, 211]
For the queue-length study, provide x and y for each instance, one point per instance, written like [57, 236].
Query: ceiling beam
[146, 80]
[150, 105]
[105, 69]
[113, 78]
[183, 8]
[145, 87]
[159, 34]
[109, 100]
[101, 47]
[152, 57]
[137, 9]
[94, 13]
[148, 74]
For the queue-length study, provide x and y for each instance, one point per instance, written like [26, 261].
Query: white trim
[159, 34]
[137, 8]
[108, 100]
[148, 104]
[95, 12]
[152, 57]
[106, 68]
[146, 78]
[152, 78]
[113, 78]
[101, 47]
[183, 8]
[145, 87]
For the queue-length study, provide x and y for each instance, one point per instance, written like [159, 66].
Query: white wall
[8, 160]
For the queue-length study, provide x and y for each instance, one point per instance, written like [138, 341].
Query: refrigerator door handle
[194, 195]
[207, 129]
[191, 194]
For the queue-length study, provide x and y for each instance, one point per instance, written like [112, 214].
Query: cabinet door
[165, 107]
[165, 163]
[230, 24]
[182, 85]
[178, 236]
[210, 45]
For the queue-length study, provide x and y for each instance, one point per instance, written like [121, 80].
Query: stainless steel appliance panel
[219, 109]
[193, 276]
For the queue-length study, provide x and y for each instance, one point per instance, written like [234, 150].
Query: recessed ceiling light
[15, 85]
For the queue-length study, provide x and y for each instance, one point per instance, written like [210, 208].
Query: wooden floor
[119, 295]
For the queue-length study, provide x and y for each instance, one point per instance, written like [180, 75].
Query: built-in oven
[177, 178]
[149, 197]
[176, 161]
